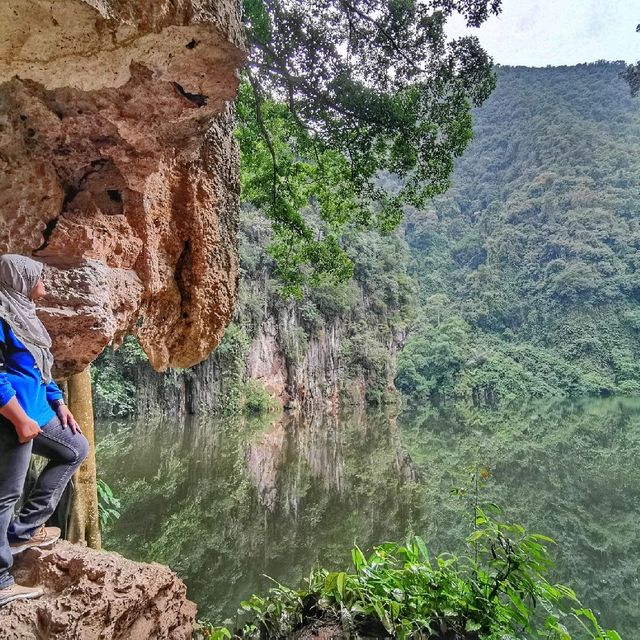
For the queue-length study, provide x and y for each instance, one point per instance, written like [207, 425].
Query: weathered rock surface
[313, 374]
[118, 168]
[91, 595]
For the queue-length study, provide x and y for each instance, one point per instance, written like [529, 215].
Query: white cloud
[557, 32]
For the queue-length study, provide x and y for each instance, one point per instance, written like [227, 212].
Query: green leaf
[424, 552]
[539, 536]
[476, 535]
[358, 558]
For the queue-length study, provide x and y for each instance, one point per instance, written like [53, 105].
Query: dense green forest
[529, 266]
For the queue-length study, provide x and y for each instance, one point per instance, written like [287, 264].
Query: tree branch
[265, 134]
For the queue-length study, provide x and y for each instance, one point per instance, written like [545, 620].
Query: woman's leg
[65, 451]
[14, 463]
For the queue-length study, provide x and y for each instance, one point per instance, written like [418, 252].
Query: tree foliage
[336, 92]
[535, 248]
[632, 74]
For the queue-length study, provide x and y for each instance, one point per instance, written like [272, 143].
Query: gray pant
[64, 450]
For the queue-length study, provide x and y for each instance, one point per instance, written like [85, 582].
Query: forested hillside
[529, 266]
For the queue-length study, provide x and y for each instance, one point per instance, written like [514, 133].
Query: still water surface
[224, 502]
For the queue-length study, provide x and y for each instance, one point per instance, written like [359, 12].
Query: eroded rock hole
[46, 234]
[197, 98]
[102, 186]
[70, 192]
[193, 44]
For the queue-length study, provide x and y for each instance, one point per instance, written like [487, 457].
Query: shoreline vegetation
[498, 590]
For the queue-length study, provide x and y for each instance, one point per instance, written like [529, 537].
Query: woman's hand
[27, 429]
[67, 419]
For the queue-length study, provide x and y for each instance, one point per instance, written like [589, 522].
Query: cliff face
[308, 371]
[299, 368]
[118, 169]
[335, 347]
[315, 368]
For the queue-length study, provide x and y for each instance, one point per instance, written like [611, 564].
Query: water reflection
[224, 502]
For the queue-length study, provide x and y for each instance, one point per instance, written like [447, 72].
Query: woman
[33, 418]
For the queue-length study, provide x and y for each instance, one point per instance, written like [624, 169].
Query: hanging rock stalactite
[118, 168]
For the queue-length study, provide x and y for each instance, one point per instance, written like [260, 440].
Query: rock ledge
[92, 595]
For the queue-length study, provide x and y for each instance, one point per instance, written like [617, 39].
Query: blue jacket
[20, 377]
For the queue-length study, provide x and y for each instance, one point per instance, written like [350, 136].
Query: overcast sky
[536, 33]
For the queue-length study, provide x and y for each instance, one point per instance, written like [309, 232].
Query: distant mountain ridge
[529, 266]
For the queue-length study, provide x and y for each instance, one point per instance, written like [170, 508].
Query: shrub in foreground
[497, 592]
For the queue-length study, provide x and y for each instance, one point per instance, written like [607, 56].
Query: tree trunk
[84, 524]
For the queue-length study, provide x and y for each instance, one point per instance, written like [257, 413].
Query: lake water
[224, 502]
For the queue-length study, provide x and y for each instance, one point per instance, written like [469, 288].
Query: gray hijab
[18, 277]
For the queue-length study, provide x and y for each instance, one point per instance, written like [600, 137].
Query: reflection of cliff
[257, 502]
[290, 451]
[276, 502]
[264, 460]
[299, 449]
[119, 169]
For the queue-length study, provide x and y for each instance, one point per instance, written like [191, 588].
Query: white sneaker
[18, 592]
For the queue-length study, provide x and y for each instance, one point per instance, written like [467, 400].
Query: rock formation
[90, 595]
[118, 168]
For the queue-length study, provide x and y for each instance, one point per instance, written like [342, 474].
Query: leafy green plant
[108, 504]
[256, 399]
[497, 591]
